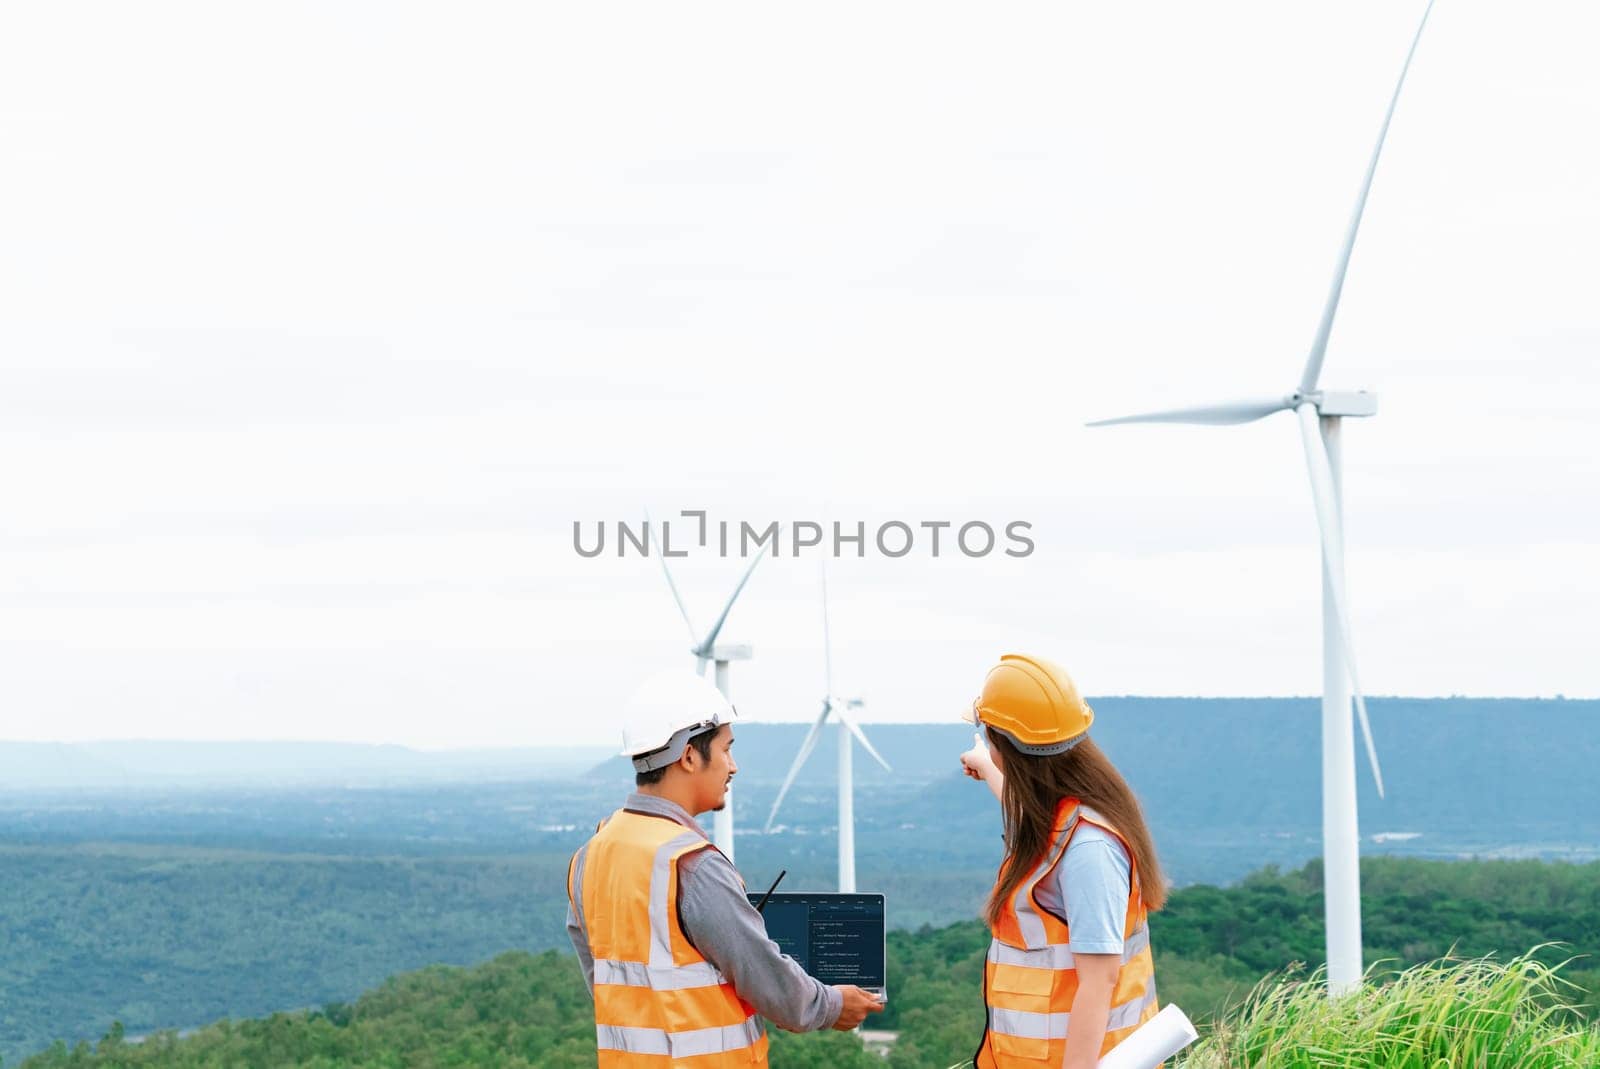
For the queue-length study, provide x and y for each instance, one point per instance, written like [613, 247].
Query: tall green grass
[1447, 1014]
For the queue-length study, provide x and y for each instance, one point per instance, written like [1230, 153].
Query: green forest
[1212, 946]
[156, 935]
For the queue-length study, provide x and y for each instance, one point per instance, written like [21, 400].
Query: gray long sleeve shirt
[719, 920]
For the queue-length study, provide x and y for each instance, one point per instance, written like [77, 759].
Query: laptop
[838, 938]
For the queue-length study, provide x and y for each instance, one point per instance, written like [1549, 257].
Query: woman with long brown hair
[1069, 972]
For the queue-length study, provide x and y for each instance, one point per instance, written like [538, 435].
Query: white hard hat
[665, 711]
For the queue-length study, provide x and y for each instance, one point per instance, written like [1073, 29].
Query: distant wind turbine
[1320, 413]
[705, 650]
[840, 710]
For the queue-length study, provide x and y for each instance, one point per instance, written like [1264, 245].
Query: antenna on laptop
[763, 903]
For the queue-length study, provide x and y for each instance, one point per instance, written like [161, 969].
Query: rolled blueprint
[1154, 1042]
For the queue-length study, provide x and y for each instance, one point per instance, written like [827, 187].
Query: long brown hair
[1033, 788]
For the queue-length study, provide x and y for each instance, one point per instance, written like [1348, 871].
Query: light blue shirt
[1093, 882]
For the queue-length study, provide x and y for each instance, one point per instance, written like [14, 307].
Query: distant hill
[1204, 754]
[1451, 766]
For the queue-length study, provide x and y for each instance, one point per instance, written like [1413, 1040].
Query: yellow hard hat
[1034, 704]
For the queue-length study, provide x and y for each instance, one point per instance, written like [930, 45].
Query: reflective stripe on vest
[1030, 978]
[1060, 957]
[1054, 1025]
[693, 1044]
[658, 1002]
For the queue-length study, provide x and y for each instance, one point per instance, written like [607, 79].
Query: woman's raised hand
[976, 762]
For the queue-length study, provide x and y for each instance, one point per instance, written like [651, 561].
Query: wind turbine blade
[800, 759]
[861, 736]
[711, 636]
[1366, 731]
[650, 539]
[1325, 496]
[1319, 345]
[1218, 415]
[827, 637]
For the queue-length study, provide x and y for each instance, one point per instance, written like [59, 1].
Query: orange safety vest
[1029, 980]
[658, 1003]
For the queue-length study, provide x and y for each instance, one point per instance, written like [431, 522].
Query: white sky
[320, 324]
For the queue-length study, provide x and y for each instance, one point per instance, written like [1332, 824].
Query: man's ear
[689, 760]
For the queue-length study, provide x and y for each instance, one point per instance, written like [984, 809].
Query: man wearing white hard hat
[678, 961]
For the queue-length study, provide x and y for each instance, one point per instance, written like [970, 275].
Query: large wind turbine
[840, 710]
[706, 651]
[1320, 413]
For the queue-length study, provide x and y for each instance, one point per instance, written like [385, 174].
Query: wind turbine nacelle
[1347, 403]
[729, 652]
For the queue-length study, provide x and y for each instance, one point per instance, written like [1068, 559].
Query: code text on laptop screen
[836, 938]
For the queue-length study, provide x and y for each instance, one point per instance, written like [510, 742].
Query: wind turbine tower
[849, 733]
[706, 650]
[1321, 414]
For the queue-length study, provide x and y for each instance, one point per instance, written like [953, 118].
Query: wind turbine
[840, 710]
[706, 651]
[1320, 414]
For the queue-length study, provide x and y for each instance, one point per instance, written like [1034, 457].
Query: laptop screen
[837, 938]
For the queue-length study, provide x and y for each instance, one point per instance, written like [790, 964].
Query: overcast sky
[320, 325]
